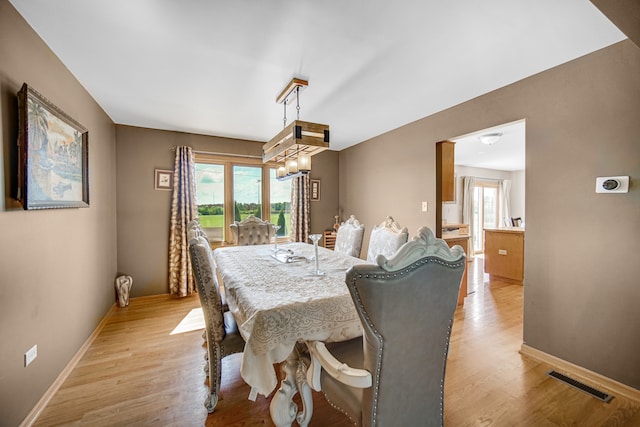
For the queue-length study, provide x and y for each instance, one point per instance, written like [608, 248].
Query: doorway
[489, 165]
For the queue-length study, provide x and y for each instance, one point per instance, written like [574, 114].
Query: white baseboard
[44, 400]
[584, 375]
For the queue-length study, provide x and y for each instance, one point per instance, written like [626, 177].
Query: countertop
[505, 229]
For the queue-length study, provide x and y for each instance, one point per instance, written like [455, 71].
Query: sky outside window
[209, 184]
[247, 184]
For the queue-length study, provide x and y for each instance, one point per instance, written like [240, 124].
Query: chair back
[386, 238]
[349, 237]
[406, 305]
[194, 229]
[208, 289]
[252, 231]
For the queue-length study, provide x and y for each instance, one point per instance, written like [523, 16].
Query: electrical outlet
[30, 355]
[424, 206]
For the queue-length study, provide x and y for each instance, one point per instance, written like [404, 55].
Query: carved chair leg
[215, 376]
[210, 402]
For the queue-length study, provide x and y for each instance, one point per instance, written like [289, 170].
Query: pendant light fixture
[297, 142]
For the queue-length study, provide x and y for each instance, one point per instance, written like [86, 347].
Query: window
[247, 192]
[485, 211]
[280, 203]
[210, 199]
[230, 189]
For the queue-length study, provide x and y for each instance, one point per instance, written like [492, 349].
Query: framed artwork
[53, 158]
[163, 179]
[315, 189]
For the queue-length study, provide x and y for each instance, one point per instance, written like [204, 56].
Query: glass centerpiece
[275, 237]
[314, 238]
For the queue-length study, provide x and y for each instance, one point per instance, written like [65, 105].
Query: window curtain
[468, 187]
[300, 209]
[183, 210]
[504, 201]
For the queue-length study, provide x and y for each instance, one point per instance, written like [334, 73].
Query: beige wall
[56, 266]
[624, 14]
[581, 249]
[143, 212]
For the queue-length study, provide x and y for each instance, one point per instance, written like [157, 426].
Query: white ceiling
[508, 154]
[215, 67]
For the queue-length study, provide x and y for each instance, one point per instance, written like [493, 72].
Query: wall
[624, 14]
[389, 176]
[452, 212]
[57, 266]
[143, 212]
[581, 249]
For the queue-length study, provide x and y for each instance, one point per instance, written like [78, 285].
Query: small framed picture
[315, 189]
[163, 179]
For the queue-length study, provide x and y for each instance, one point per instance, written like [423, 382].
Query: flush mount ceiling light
[490, 138]
[296, 143]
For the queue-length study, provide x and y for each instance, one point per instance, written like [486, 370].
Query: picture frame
[53, 157]
[315, 190]
[163, 179]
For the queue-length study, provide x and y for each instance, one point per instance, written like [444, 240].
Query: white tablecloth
[276, 304]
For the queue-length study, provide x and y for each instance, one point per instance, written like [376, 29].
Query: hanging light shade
[304, 162]
[291, 166]
[299, 140]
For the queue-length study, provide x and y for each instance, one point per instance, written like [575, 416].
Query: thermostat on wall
[612, 184]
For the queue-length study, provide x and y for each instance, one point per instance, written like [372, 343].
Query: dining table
[281, 296]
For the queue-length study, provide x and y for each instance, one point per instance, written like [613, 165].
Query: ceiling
[507, 154]
[215, 67]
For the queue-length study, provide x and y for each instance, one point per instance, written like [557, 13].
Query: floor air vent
[580, 386]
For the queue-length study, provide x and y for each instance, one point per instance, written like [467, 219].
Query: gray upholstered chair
[349, 237]
[386, 238]
[194, 229]
[193, 224]
[394, 374]
[252, 231]
[222, 335]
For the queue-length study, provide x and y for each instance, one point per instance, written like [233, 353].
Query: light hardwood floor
[137, 373]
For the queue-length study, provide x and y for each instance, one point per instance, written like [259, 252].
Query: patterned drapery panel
[468, 187]
[300, 209]
[504, 202]
[183, 210]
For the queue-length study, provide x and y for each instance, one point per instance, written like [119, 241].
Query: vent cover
[581, 386]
